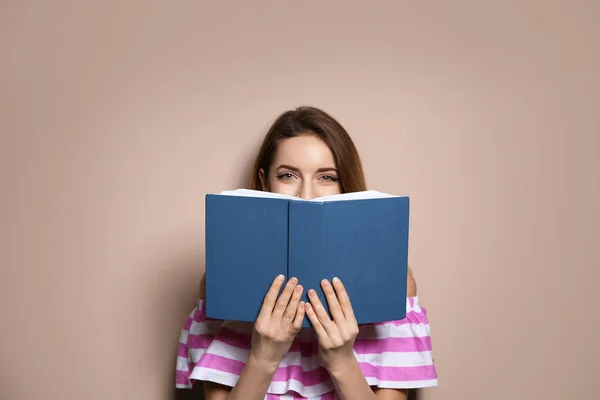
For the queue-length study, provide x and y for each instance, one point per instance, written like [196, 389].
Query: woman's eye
[285, 175]
[330, 178]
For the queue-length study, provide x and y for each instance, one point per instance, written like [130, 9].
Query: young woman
[308, 154]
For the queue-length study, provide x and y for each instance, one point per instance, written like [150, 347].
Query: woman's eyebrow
[325, 169]
[285, 166]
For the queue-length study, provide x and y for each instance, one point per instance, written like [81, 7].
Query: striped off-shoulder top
[394, 354]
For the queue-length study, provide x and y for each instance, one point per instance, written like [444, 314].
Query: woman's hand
[277, 324]
[336, 337]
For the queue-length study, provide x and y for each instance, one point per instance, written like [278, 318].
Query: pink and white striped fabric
[395, 354]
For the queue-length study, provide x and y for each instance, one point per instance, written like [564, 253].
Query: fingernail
[325, 282]
[312, 292]
[280, 278]
[336, 280]
[298, 289]
[293, 281]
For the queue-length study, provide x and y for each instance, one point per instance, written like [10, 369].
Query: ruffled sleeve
[398, 354]
[394, 354]
[209, 350]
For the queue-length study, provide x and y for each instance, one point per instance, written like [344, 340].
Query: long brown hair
[310, 120]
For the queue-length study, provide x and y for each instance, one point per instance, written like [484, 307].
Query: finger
[312, 317]
[301, 311]
[344, 299]
[284, 298]
[290, 311]
[270, 298]
[332, 302]
[320, 312]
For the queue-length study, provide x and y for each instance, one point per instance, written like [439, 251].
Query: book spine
[287, 275]
[308, 247]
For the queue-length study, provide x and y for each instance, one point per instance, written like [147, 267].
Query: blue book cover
[252, 236]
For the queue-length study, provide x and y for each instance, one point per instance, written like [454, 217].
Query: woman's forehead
[306, 151]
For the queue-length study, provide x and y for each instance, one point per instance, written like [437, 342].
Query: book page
[257, 193]
[365, 195]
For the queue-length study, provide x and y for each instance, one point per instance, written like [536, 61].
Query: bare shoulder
[411, 284]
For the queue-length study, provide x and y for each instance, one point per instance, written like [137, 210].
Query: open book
[253, 236]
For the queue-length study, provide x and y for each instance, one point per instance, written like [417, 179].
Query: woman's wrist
[267, 366]
[343, 368]
[350, 382]
[254, 380]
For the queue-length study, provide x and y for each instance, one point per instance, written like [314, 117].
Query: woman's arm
[336, 340]
[350, 384]
[277, 324]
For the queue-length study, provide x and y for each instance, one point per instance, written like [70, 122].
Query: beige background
[118, 117]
